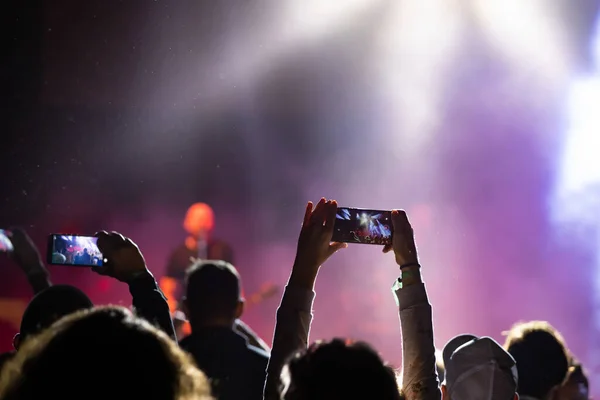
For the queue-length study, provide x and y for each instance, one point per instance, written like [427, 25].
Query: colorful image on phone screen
[74, 250]
[355, 225]
[6, 245]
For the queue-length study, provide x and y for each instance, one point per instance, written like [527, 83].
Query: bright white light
[581, 161]
[577, 197]
[578, 187]
[416, 44]
[313, 18]
[596, 45]
[528, 33]
[577, 194]
[252, 51]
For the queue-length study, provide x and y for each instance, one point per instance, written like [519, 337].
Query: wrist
[139, 275]
[33, 268]
[410, 276]
[303, 277]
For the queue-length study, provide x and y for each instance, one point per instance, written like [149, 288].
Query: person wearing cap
[213, 303]
[478, 368]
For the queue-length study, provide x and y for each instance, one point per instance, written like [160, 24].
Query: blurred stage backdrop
[479, 117]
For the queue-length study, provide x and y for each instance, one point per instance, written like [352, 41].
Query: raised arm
[27, 257]
[419, 376]
[126, 264]
[294, 314]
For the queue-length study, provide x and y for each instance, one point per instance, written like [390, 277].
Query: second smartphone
[75, 250]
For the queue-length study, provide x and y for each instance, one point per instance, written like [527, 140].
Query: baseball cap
[480, 369]
[454, 344]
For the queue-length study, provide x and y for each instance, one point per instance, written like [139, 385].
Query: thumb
[396, 222]
[335, 246]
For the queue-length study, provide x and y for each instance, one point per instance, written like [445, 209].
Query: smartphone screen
[356, 225]
[79, 251]
[6, 245]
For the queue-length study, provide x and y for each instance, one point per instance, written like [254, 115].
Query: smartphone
[6, 245]
[357, 225]
[74, 250]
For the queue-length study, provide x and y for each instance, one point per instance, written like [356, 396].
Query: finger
[316, 217]
[108, 243]
[330, 215]
[409, 234]
[103, 241]
[117, 236]
[387, 248]
[114, 241]
[336, 246]
[322, 213]
[131, 243]
[396, 220]
[307, 213]
[402, 221]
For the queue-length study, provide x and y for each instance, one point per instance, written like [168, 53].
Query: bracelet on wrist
[412, 264]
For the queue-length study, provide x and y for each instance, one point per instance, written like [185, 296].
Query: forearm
[292, 331]
[37, 276]
[150, 303]
[39, 282]
[419, 375]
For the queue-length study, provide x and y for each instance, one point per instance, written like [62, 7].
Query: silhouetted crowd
[69, 348]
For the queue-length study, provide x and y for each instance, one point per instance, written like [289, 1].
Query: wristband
[413, 264]
[406, 274]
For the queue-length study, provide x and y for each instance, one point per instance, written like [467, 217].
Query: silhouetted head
[213, 294]
[339, 370]
[103, 353]
[49, 306]
[576, 386]
[541, 355]
[199, 220]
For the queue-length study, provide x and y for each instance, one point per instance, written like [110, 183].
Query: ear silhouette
[240, 309]
[17, 341]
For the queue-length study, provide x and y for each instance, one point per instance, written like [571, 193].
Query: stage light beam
[576, 200]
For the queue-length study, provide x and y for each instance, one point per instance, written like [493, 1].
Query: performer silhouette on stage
[199, 244]
[199, 223]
